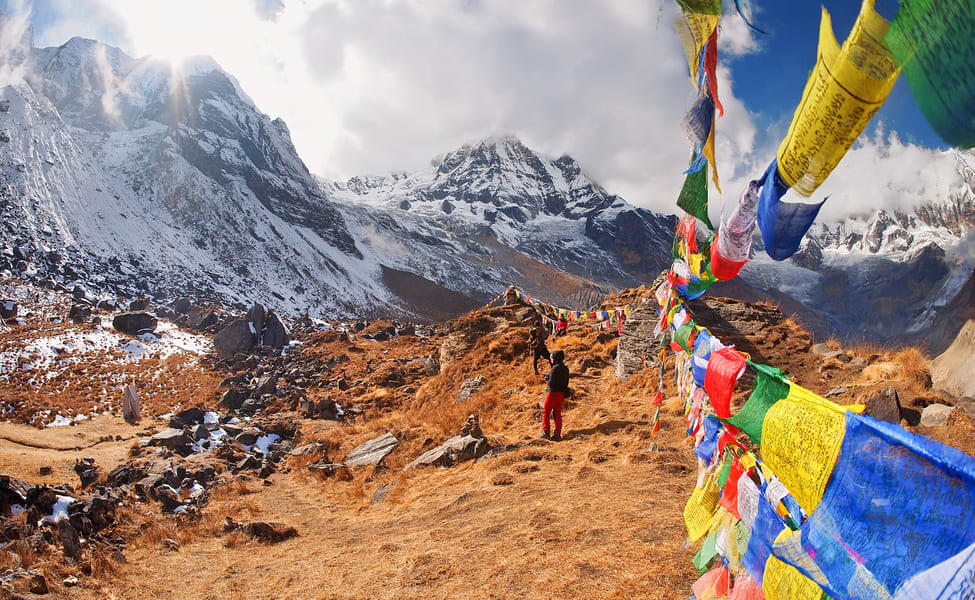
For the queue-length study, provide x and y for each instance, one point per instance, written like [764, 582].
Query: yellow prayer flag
[785, 582]
[801, 439]
[846, 87]
[694, 30]
[699, 512]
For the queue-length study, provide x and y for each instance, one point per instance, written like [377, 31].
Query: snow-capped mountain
[133, 176]
[496, 212]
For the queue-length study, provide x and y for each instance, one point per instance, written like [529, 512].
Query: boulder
[134, 323]
[87, 470]
[470, 387]
[173, 439]
[372, 452]
[233, 399]
[202, 320]
[276, 334]
[8, 309]
[182, 306]
[266, 385]
[79, 313]
[936, 414]
[79, 293]
[107, 305]
[382, 492]
[131, 406]
[236, 337]
[470, 444]
[139, 305]
[186, 418]
[885, 406]
[69, 538]
[164, 312]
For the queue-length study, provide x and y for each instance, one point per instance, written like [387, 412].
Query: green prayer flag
[725, 471]
[708, 7]
[770, 387]
[702, 560]
[934, 42]
[693, 196]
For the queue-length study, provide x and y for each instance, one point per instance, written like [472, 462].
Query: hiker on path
[561, 327]
[537, 345]
[558, 391]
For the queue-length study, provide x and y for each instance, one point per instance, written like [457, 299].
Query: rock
[456, 449]
[107, 305]
[249, 437]
[8, 309]
[266, 385]
[164, 312]
[233, 399]
[182, 306]
[38, 585]
[69, 538]
[173, 439]
[79, 313]
[134, 323]
[470, 387]
[431, 365]
[203, 320]
[382, 492]
[45, 470]
[372, 452]
[276, 334]
[138, 305]
[324, 468]
[885, 406]
[248, 463]
[270, 533]
[234, 338]
[320, 409]
[310, 449]
[341, 384]
[186, 418]
[87, 470]
[469, 445]
[199, 432]
[256, 316]
[131, 407]
[839, 391]
[125, 474]
[79, 293]
[936, 414]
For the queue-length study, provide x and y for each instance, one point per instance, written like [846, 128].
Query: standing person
[561, 326]
[558, 391]
[537, 345]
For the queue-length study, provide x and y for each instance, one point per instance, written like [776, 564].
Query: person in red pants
[558, 391]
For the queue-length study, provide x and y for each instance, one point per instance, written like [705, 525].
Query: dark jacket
[558, 379]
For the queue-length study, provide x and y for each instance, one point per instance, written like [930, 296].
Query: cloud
[269, 10]
[372, 86]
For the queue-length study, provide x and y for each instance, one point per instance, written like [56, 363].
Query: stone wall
[637, 341]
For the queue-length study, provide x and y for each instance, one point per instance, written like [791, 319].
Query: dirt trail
[588, 517]
[25, 449]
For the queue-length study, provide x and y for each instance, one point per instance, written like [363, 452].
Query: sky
[375, 86]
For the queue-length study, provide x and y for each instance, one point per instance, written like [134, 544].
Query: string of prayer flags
[934, 42]
[782, 223]
[846, 87]
[700, 20]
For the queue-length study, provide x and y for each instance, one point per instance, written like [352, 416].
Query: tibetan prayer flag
[801, 438]
[693, 196]
[846, 87]
[702, 560]
[934, 42]
[729, 495]
[953, 578]
[731, 248]
[782, 223]
[699, 512]
[770, 387]
[710, 65]
[766, 527]
[699, 121]
[723, 268]
[746, 589]
[897, 504]
[709, 443]
[704, 345]
[784, 582]
[749, 497]
[724, 368]
[699, 22]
